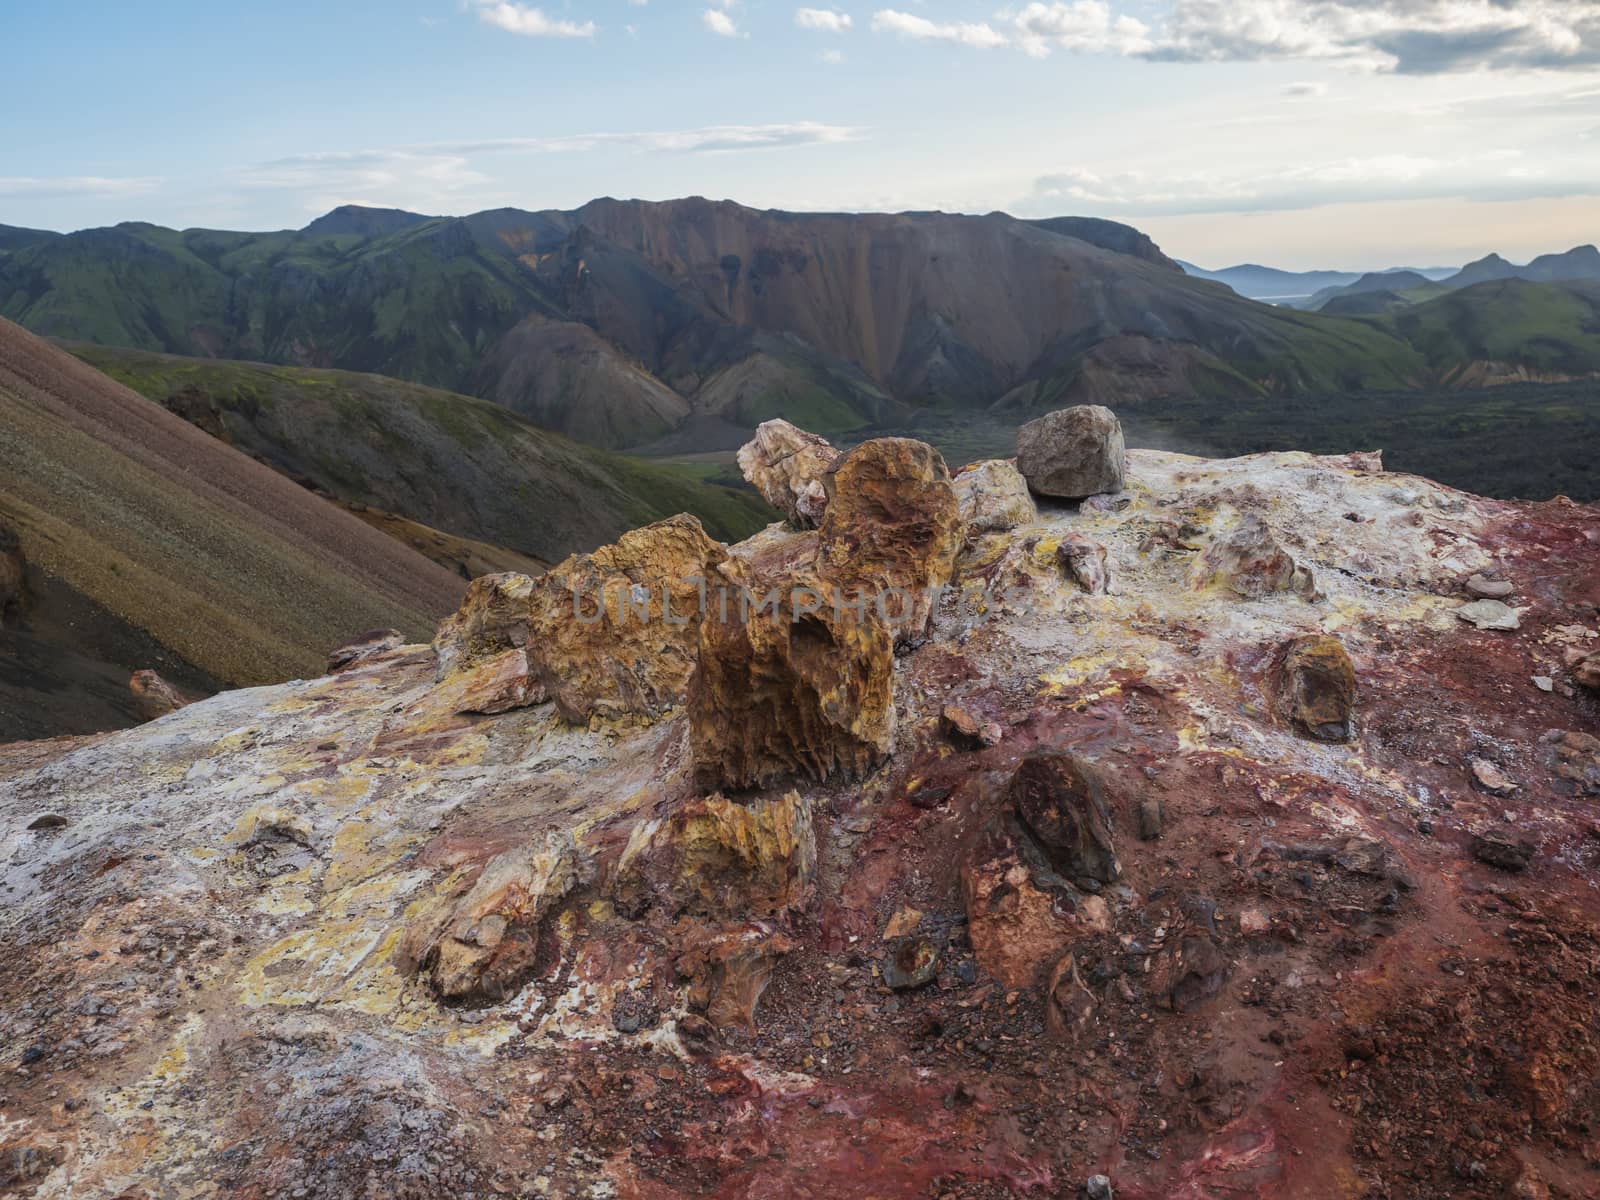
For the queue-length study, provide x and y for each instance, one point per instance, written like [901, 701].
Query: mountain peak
[363, 221]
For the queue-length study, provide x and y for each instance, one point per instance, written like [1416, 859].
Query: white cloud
[1301, 91]
[530, 22]
[75, 185]
[719, 22]
[1084, 26]
[832, 57]
[980, 34]
[825, 20]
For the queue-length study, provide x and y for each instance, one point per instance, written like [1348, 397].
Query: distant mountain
[1506, 331]
[1394, 283]
[1109, 235]
[354, 220]
[14, 238]
[1272, 285]
[627, 322]
[1580, 263]
[1485, 269]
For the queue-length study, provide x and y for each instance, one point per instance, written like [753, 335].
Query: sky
[1354, 134]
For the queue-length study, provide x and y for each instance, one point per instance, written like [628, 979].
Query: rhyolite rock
[1573, 756]
[492, 619]
[1249, 560]
[363, 648]
[727, 970]
[892, 530]
[1319, 687]
[1587, 671]
[803, 685]
[154, 697]
[1083, 560]
[787, 466]
[993, 496]
[1062, 802]
[722, 858]
[1017, 923]
[495, 685]
[616, 631]
[1490, 614]
[481, 945]
[1073, 452]
[1485, 588]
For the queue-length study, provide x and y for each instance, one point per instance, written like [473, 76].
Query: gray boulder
[1073, 453]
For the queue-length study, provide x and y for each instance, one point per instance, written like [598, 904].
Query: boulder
[1073, 453]
[1083, 560]
[154, 697]
[1573, 756]
[993, 496]
[1490, 614]
[1501, 847]
[787, 466]
[718, 857]
[913, 962]
[13, 579]
[1189, 971]
[1250, 562]
[1319, 688]
[482, 944]
[892, 531]
[492, 619]
[1061, 801]
[1485, 588]
[616, 632]
[791, 680]
[364, 647]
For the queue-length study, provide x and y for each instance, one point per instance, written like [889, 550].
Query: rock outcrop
[616, 632]
[481, 945]
[787, 466]
[993, 496]
[154, 697]
[1250, 561]
[492, 619]
[395, 949]
[1319, 688]
[1073, 453]
[363, 648]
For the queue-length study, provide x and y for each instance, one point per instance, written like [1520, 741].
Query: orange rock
[492, 619]
[154, 697]
[1319, 688]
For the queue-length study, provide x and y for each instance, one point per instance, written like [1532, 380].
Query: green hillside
[1550, 327]
[455, 463]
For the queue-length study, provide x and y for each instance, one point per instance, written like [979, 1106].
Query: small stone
[1098, 1187]
[47, 822]
[912, 962]
[1073, 453]
[1084, 560]
[1249, 561]
[1502, 848]
[964, 727]
[1150, 819]
[1490, 614]
[1319, 691]
[904, 922]
[1253, 922]
[1587, 672]
[1491, 778]
[1544, 683]
[1061, 801]
[1485, 588]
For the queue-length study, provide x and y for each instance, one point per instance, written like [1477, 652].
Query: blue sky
[1355, 133]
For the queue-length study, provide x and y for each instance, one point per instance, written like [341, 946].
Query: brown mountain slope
[232, 568]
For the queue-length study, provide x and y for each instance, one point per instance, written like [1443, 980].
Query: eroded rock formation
[153, 696]
[787, 466]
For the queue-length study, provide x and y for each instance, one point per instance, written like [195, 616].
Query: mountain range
[1294, 288]
[625, 323]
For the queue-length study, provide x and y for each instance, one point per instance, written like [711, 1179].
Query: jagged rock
[801, 686]
[787, 466]
[969, 729]
[1587, 671]
[492, 619]
[1189, 971]
[1319, 688]
[1061, 801]
[892, 531]
[154, 697]
[1490, 614]
[1084, 560]
[728, 971]
[1097, 1187]
[719, 857]
[1250, 562]
[1575, 757]
[1073, 453]
[912, 962]
[1151, 819]
[1485, 588]
[272, 823]
[480, 945]
[496, 685]
[617, 631]
[993, 496]
[364, 647]
[1069, 1006]
[1501, 847]
[13, 579]
[1017, 929]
